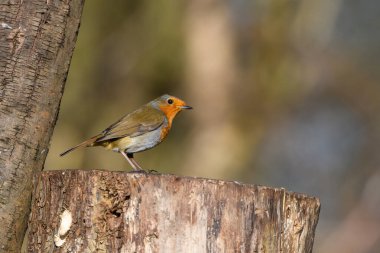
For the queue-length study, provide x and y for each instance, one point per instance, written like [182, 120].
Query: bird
[139, 130]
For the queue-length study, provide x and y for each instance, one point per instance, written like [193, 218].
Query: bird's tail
[87, 143]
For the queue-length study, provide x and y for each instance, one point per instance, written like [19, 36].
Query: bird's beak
[186, 107]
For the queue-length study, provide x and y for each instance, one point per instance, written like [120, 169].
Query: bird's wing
[139, 122]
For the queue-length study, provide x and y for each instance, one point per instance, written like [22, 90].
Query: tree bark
[135, 212]
[37, 39]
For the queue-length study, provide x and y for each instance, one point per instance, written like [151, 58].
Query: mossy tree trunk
[37, 39]
[134, 212]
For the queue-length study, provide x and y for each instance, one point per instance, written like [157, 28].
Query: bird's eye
[170, 101]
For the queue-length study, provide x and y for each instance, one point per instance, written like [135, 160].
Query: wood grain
[132, 212]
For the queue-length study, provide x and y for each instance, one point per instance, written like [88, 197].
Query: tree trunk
[135, 212]
[37, 39]
[211, 80]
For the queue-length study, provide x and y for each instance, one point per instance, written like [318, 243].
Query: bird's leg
[136, 164]
[131, 161]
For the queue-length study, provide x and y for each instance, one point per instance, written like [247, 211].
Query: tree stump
[137, 212]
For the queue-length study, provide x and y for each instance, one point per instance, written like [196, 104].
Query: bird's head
[170, 105]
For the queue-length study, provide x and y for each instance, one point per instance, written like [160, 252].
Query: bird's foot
[140, 171]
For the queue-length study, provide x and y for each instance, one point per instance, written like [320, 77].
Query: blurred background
[286, 93]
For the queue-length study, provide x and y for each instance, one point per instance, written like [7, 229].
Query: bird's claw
[139, 171]
[145, 171]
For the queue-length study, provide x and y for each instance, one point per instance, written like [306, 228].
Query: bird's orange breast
[170, 112]
[164, 132]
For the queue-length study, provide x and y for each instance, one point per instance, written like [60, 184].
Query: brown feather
[87, 143]
[137, 123]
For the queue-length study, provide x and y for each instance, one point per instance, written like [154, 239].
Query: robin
[140, 130]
